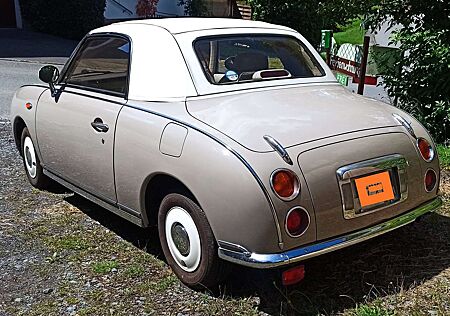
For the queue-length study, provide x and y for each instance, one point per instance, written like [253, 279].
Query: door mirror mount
[49, 74]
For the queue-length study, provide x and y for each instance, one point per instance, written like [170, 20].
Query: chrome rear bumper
[242, 256]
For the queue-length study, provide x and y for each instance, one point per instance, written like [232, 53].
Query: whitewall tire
[31, 162]
[188, 242]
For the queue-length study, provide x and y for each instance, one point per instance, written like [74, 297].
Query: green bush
[69, 18]
[309, 16]
[417, 78]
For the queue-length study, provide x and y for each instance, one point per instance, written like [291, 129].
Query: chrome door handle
[99, 126]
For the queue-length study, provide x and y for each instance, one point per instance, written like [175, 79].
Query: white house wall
[381, 37]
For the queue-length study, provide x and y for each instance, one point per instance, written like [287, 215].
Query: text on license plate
[374, 189]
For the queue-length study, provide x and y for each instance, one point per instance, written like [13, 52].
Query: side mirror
[49, 74]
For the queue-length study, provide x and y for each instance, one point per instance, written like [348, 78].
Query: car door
[76, 127]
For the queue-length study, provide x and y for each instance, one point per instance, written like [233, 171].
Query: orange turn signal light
[285, 184]
[29, 106]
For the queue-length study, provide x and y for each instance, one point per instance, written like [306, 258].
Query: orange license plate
[374, 189]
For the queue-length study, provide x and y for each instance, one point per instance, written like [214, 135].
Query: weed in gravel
[95, 295]
[135, 270]
[371, 310]
[47, 308]
[103, 267]
[165, 283]
[68, 242]
[71, 300]
[92, 310]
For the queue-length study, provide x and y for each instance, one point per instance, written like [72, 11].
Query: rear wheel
[188, 242]
[31, 162]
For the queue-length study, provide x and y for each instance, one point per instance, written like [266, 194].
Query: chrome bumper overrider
[240, 255]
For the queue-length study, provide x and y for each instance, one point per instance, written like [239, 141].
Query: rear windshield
[235, 59]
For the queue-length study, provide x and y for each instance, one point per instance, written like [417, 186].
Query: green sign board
[342, 79]
[326, 39]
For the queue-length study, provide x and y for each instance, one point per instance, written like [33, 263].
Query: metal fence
[350, 60]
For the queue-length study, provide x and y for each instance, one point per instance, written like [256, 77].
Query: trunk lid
[320, 168]
[292, 115]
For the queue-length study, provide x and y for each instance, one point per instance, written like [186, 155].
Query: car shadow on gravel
[334, 282]
[143, 238]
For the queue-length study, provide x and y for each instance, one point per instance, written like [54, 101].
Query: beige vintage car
[233, 137]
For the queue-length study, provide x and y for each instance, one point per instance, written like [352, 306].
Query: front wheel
[31, 162]
[188, 242]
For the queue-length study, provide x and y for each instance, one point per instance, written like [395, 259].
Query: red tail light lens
[430, 180]
[293, 275]
[297, 222]
[285, 184]
[426, 151]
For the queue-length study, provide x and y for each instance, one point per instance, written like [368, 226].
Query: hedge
[66, 18]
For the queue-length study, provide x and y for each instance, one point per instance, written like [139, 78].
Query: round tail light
[297, 222]
[426, 151]
[430, 180]
[285, 184]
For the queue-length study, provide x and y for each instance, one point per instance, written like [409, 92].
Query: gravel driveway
[56, 258]
[62, 255]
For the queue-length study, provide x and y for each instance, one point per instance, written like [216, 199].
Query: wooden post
[328, 50]
[363, 67]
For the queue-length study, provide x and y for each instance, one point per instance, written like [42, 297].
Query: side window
[101, 64]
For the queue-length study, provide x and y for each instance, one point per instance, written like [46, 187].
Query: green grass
[444, 155]
[370, 310]
[351, 33]
[68, 242]
[135, 270]
[103, 267]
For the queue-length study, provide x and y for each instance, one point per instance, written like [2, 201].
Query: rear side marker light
[425, 149]
[293, 275]
[297, 222]
[430, 180]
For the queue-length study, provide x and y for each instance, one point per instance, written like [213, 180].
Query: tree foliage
[419, 80]
[194, 7]
[67, 18]
[146, 8]
[308, 16]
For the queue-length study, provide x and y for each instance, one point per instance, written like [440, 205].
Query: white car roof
[189, 24]
[164, 65]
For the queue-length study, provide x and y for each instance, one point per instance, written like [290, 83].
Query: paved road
[22, 54]
[12, 76]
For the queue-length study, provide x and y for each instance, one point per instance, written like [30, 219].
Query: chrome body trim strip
[405, 124]
[265, 261]
[381, 163]
[278, 148]
[393, 163]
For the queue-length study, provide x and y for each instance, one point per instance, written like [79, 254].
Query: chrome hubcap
[180, 238]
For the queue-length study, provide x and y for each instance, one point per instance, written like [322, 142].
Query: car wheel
[31, 162]
[188, 242]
